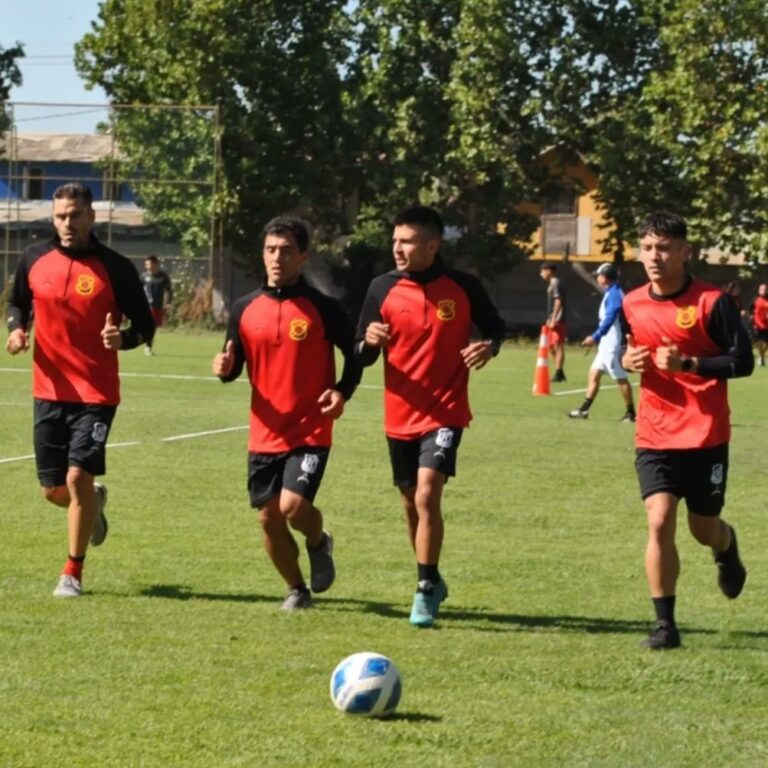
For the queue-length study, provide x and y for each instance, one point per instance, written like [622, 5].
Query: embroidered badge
[446, 309]
[298, 329]
[686, 317]
[85, 284]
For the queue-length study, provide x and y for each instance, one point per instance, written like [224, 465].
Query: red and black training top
[285, 337]
[430, 314]
[71, 292]
[681, 410]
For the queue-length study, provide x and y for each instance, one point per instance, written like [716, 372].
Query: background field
[179, 656]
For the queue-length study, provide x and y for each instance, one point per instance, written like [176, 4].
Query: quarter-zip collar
[299, 288]
[427, 275]
[77, 253]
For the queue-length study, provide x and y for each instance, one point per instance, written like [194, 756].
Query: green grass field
[179, 655]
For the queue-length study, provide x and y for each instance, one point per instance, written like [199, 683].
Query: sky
[49, 30]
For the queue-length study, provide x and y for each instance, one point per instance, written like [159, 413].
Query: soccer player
[555, 317]
[759, 311]
[686, 339]
[79, 291]
[157, 287]
[285, 333]
[608, 338]
[421, 315]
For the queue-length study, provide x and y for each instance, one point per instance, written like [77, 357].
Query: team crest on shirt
[446, 309]
[686, 317]
[298, 329]
[85, 284]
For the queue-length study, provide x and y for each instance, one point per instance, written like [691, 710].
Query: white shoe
[100, 525]
[148, 351]
[68, 586]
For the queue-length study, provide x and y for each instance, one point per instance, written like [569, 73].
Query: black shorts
[70, 435]
[761, 334]
[698, 475]
[436, 450]
[299, 470]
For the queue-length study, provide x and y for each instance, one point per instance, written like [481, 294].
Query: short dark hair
[548, 265]
[74, 190]
[664, 224]
[289, 225]
[421, 216]
[151, 258]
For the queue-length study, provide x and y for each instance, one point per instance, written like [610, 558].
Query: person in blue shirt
[608, 337]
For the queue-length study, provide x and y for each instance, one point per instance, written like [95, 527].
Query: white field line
[582, 390]
[173, 376]
[202, 434]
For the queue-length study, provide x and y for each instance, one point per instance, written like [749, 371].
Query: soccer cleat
[628, 417]
[322, 569]
[558, 376]
[577, 413]
[731, 573]
[100, 524]
[68, 586]
[663, 637]
[148, 351]
[297, 599]
[426, 606]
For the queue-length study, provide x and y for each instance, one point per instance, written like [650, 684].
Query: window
[33, 183]
[113, 190]
[560, 201]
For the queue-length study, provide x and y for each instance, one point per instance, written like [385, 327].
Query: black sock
[630, 410]
[584, 407]
[665, 609]
[428, 576]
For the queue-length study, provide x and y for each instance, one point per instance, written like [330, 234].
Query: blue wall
[54, 175]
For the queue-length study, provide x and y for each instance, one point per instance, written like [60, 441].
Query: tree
[10, 75]
[272, 69]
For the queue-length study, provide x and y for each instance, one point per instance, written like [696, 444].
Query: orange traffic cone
[541, 375]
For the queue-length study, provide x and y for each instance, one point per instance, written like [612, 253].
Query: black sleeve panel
[233, 335]
[168, 286]
[726, 330]
[484, 314]
[371, 313]
[340, 332]
[130, 298]
[20, 299]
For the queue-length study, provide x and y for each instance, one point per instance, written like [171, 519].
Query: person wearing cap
[284, 334]
[555, 317]
[608, 338]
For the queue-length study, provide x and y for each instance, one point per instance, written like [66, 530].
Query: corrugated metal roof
[57, 147]
[17, 213]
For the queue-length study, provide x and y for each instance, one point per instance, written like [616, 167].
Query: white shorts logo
[99, 432]
[309, 465]
[444, 438]
[716, 478]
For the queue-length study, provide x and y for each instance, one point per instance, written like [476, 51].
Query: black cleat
[663, 636]
[559, 376]
[578, 414]
[628, 417]
[731, 573]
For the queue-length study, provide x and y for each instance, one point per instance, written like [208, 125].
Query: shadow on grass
[180, 592]
[450, 617]
[412, 717]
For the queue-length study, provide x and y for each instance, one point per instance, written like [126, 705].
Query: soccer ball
[366, 684]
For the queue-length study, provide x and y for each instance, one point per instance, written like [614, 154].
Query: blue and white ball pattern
[366, 684]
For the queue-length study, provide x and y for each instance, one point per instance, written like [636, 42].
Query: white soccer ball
[366, 684]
